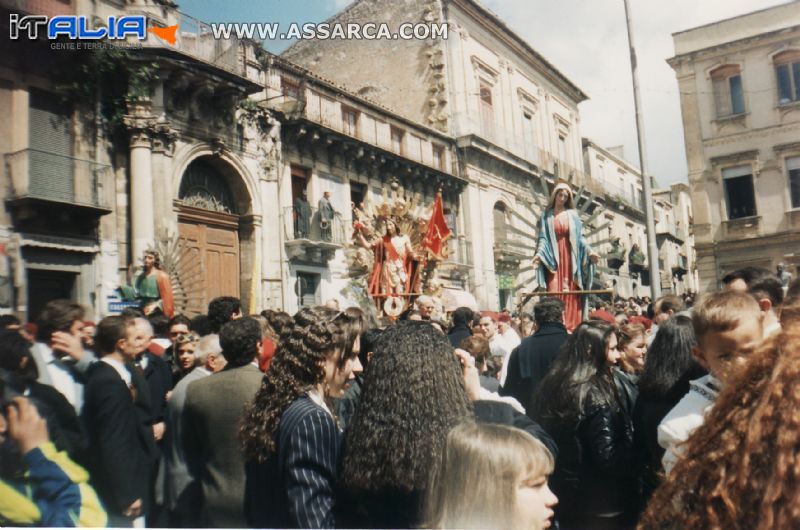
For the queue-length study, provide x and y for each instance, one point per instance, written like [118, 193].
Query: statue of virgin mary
[564, 261]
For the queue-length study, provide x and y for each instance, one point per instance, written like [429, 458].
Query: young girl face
[535, 503]
[612, 353]
[635, 351]
[337, 378]
[186, 355]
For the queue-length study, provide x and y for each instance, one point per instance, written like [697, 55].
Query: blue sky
[585, 40]
[282, 11]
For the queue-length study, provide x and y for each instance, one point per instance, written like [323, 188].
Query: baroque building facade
[513, 116]
[741, 116]
[206, 149]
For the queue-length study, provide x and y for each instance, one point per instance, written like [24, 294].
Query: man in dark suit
[120, 444]
[462, 318]
[531, 360]
[212, 412]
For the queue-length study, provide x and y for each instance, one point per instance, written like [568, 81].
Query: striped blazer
[295, 487]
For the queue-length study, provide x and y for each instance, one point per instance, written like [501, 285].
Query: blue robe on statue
[582, 267]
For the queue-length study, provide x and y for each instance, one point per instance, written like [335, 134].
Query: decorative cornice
[782, 148]
[733, 158]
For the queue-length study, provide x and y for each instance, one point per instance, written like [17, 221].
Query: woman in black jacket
[665, 380]
[579, 404]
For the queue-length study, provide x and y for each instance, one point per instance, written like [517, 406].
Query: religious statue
[326, 213]
[302, 216]
[564, 261]
[784, 276]
[152, 287]
[393, 266]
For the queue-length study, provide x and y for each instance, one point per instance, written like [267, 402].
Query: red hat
[602, 314]
[646, 322]
[504, 317]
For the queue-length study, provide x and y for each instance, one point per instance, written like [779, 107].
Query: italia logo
[79, 28]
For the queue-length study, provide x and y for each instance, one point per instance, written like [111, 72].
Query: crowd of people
[652, 415]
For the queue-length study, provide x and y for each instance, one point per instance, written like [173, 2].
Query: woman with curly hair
[579, 404]
[290, 437]
[739, 470]
[415, 390]
[413, 395]
[510, 465]
[277, 324]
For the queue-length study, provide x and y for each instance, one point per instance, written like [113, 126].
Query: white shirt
[319, 400]
[685, 418]
[120, 368]
[511, 338]
[488, 395]
[499, 346]
[60, 376]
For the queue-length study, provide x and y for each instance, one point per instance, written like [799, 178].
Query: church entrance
[208, 227]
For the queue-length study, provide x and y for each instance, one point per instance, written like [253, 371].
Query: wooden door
[214, 239]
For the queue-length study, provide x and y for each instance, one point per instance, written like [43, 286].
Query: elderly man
[182, 496]
[212, 412]
[425, 305]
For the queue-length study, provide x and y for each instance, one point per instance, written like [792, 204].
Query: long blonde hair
[476, 479]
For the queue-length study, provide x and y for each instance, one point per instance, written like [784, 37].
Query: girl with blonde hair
[511, 467]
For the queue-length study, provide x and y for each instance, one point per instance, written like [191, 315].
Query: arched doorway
[208, 226]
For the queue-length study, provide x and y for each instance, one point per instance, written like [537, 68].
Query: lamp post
[647, 191]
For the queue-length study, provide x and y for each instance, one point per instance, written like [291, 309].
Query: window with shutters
[350, 121]
[438, 157]
[528, 134]
[787, 72]
[307, 289]
[793, 170]
[487, 109]
[398, 135]
[728, 94]
[739, 192]
[290, 88]
[51, 165]
[500, 222]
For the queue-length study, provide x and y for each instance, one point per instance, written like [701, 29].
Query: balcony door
[50, 162]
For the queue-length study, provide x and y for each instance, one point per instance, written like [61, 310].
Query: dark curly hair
[220, 311]
[298, 365]
[239, 341]
[280, 323]
[739, 469]
[413, 395]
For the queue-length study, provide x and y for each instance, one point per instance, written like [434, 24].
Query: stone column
[140, 122]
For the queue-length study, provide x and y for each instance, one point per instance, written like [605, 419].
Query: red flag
[438, 231]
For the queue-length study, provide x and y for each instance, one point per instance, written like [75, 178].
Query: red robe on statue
[562, 279]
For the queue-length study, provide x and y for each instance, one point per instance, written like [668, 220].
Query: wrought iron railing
[32, 173]
[310, 226]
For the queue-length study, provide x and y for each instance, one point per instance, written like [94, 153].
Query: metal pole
[647, 191]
